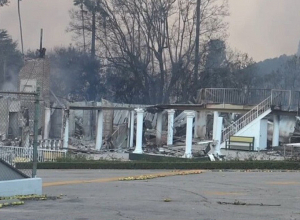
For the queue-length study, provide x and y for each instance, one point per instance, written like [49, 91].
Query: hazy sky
[261, 28]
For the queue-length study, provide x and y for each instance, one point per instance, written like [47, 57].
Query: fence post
[36, 126]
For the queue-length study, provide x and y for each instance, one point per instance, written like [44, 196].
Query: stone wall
[4, 119]
[10, 117]
[108, 117]
[36, 73]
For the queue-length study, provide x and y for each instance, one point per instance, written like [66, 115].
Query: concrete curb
[21, 187]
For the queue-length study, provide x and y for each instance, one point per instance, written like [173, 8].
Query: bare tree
[81, 4]
[3, 2]
[153, 43]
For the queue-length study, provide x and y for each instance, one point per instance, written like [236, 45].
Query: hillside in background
[268, 66]
[271, 65]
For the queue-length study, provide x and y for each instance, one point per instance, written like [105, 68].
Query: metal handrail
[286, 99]
[247, 118]
[234, 96]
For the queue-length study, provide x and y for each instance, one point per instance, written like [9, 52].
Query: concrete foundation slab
[21, 187]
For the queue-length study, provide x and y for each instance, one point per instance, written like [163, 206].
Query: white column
[72, 123]
[99, 134]
[26, 139]
[87, 124]
[263, 136]
[139, 131]
[159, 128]
[171, 113]
[219, 135]
[47, 122]
[128, 130]
[196, 124]
[189, 133]
[215, 125]
[200, 124]
[275, 141]
[66, 131]
[131, 128]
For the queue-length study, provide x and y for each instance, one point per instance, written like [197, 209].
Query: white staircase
[259, 111]
[251, 123]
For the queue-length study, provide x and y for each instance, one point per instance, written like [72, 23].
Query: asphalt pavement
[97, 194]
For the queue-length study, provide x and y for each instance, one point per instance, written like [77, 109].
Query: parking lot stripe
[112, 179]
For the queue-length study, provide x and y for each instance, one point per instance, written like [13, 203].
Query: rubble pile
[199, 149]
[80, 145]
[79, 131]
[295, 137]
[285, 151]
[9, 142]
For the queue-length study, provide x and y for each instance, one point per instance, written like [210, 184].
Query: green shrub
[219, 165]
[74, 158]
[159, 158]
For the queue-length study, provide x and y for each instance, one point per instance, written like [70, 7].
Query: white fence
[13, 155]
[53, 144]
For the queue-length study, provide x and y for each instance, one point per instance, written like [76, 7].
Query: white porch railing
[287, 100]
[233, 96]
[13, 155]
[53, 144]
[247, 118]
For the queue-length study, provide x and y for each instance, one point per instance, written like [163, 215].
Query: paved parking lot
[97, 194]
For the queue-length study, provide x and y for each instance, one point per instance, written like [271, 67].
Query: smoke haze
[261, 28]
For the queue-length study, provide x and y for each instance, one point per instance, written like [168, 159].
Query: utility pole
[20, 23]
[42, 50]
[4, 70]
[93, 50]
[197, 56]
[36, 130]
[41, 40]
[83, 27]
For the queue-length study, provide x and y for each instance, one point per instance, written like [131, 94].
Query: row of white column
[217, 131]
[139, 130]
[189, 130]
[99, 133]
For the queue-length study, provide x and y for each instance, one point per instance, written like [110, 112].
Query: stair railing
[247, 118]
